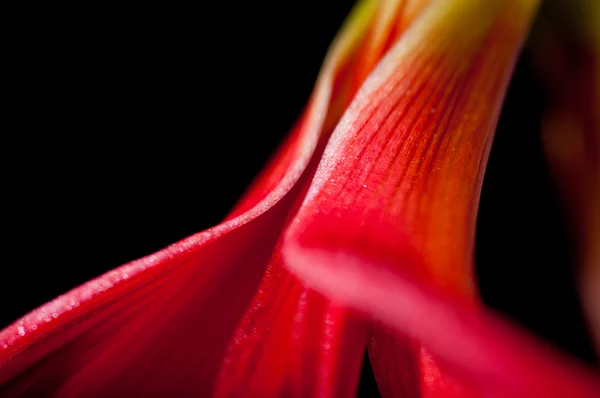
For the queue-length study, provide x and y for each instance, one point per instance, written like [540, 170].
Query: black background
[138, 127]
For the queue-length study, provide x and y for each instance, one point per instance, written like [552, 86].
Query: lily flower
[387, 225]
[359, 231]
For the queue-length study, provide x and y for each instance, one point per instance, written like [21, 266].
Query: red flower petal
[404, 368]
[388, 222]
[479, 349]
[297, 343]
[369, 32]
[322, 113]
[151, 327]
[402, 172]
[282, 341]
[390, 21]
[160, 325]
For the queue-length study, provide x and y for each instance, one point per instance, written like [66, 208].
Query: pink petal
[478, 348]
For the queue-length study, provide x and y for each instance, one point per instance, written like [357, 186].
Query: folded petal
[392, 18]
[483, 353]
[284, 341]
[391, 212]
[154, 327]
[160, 326]
[297, 343]
[404, 368]
[402, 172]
[370, 30]
[321, 114]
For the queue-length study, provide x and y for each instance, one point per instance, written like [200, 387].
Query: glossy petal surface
[388, 223]
[160, 325]
[401, 175]
[133, 330]
[297, 343]
[313, 348]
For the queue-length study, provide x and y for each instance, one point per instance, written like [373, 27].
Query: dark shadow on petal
[367, 388]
